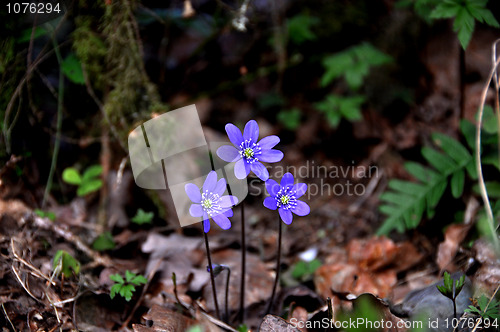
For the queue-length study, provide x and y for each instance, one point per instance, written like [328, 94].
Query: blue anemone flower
[284, 197]
[209, 202]
[247, 152]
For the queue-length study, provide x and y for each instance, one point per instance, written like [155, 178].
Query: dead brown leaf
[453, 236]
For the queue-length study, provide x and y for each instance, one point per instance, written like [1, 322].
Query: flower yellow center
[285, 199]
[248, 153]
[207, 204]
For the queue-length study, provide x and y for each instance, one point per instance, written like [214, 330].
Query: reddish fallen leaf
[164, 319]
[365, 266]
[453, 236]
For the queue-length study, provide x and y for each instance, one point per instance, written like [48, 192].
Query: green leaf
[72, 68]
[314, 265]
[353, 63]
[299, 28]
[142, 217]
[129, 275]
[26, 34]
[88, 187]
[464, 26]
[290, 118]
[457, 183]
[115, 289]
[405, 202]
[104, 242]
[446, 9]
[117, 278]
[72, 176]
[68, 264]
[127, 291]
[91, 172]
[139, 280]
[45, 214]
[299, 270]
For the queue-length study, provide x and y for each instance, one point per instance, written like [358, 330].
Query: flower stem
[212, 279]
[227, 294]
[243, 265]
[278, 264]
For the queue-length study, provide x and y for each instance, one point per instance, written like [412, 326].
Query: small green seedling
[142, 217]
[87, 183]
[45, 214]
[126, 287]
[451, 289]
[304, 271]
[65, 264]
[104, 242]
[487, 310]
[242, 328]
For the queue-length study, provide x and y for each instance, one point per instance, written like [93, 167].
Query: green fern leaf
[405, 202]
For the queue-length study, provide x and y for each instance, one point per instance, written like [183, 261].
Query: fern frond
[406, 202]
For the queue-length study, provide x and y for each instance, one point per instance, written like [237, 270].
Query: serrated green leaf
[446, 9]
[139, 280]
[89, 187]
[142, 217]
[72, 68]
[117, 278]
[464, 26]
[72, 176]
[299, 28]
[91, 172]
[127, 291]
[115, 289]
[129, 275]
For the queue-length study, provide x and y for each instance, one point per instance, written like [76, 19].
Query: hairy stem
[278, 264]
[212, 279]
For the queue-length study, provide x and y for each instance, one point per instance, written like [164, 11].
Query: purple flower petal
[196, 210]
[221, 187]
[287, 180]
[228, 201]
[286, 215]
[300, 188]
[301, 209]
[270, 203]
[272, 187]
[269, 142]
[271, 156]
[222, 221]
[234, 134]
[193, 192]
[241, 169]
[210, 182]
[228, 153]
[260, 170]
[228, 213]
[206, 225]
[251, 131]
